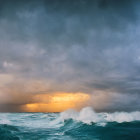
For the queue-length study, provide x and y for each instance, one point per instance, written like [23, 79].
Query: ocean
[70, 125]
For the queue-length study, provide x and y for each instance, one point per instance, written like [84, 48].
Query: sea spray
[88, 115]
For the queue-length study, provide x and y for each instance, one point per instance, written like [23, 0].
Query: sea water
[70, 125]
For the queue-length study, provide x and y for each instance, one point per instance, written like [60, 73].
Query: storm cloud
[71, 46]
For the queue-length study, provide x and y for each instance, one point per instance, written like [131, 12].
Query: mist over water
[72, 125]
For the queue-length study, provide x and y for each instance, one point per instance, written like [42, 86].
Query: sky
[61, 54]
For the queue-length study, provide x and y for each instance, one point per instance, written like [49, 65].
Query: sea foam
[88, 115]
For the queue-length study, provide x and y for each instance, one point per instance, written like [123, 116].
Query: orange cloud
[56, 102]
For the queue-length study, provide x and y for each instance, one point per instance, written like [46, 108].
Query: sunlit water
[70, 125]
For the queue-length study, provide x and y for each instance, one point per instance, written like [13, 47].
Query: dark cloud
[73, 45]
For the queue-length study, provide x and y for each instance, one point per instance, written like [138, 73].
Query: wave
[70, 124]
[7, 132]
[88, 115]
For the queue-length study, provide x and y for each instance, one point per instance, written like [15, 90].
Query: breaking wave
[71, 125]
[88, 115]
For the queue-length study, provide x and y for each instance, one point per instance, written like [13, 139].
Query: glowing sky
[56, 102]
[61, 54]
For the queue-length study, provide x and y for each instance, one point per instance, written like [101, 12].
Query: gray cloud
[74, 45]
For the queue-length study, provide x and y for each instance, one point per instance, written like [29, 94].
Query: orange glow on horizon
[56, 102]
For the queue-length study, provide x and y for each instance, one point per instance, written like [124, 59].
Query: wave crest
[88, 115]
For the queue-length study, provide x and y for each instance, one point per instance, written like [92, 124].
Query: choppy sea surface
[70, 125]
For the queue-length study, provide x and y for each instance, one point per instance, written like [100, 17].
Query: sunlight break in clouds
[56, 102]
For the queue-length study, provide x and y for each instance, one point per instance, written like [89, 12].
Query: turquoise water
[70, 125]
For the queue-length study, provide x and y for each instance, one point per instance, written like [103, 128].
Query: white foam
[4, 119]
[88, 115]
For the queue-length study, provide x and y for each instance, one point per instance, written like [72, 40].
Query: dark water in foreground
[70, 125]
